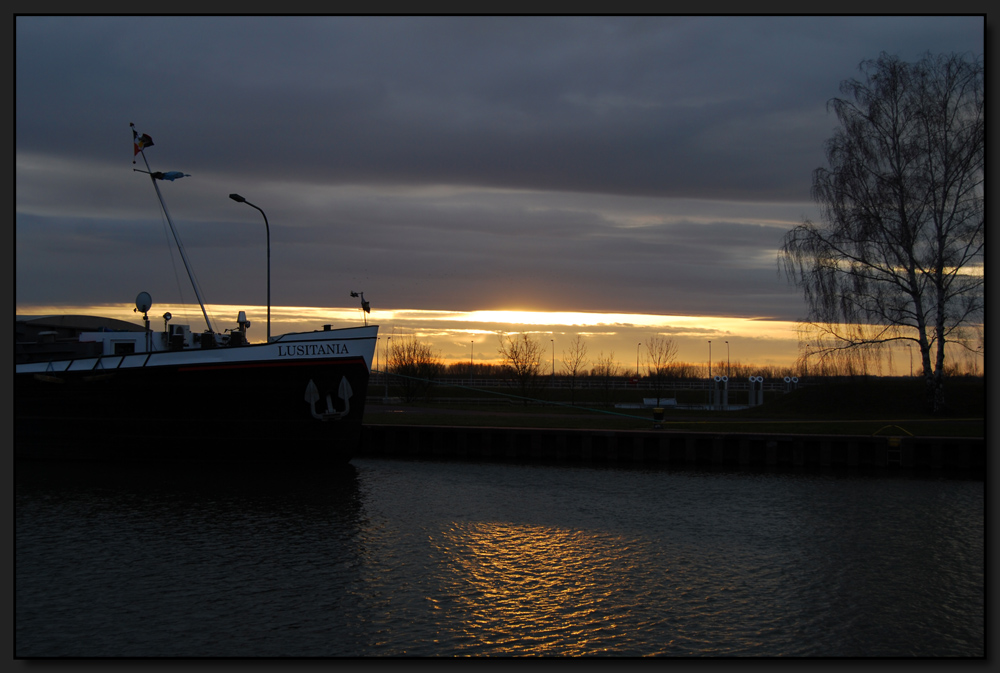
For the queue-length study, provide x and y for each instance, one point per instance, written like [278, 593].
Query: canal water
[421, 559]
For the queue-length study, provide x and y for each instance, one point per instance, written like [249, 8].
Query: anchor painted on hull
[313, 396]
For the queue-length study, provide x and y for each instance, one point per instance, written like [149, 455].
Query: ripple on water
[421, 559]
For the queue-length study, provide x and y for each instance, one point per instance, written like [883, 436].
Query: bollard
[756, 396]
[894, 451]
[791, 383]
[720, 393]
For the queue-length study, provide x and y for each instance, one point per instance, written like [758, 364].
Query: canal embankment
[659, 447]
[870, 424]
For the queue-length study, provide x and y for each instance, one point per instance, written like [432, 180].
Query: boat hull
[293, 399]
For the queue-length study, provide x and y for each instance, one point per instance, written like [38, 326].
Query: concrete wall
[668, 448]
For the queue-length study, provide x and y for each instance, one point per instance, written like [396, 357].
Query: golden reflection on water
[536, 590]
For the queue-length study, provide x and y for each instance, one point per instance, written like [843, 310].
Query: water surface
[401, 558]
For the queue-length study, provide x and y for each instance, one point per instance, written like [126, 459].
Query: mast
[139, 146]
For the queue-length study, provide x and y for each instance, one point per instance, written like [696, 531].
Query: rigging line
[173, 230]
[194, 274]
[173, 262]
[195, 281]
[211, 315]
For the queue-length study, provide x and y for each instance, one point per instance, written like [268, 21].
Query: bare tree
[413, 365]
[606, 370]
[575, 361]
[900, 253]
[521, 356]
[660, 353]
[684, 371]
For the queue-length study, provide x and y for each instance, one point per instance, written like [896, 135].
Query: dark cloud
[577, 163]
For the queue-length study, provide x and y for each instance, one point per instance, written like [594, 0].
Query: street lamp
[637, 360]
[727, 359]
[385, 374]
[553, 342]
[709, 358]
[239, 199]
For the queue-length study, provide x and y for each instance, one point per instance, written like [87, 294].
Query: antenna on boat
[141, 143]
[143, 302]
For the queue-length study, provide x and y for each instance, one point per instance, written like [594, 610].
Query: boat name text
[312, 349]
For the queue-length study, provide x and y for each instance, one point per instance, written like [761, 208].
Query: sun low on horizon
[464, 336]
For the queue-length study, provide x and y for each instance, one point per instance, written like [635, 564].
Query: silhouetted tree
[413, 366]
[899, 255]
[521, 356]
[575, 360]
[606, 370]
[660, 353]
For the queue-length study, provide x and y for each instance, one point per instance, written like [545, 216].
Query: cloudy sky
[635, 165]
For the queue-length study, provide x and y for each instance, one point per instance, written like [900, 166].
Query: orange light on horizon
[756, 341]
[449, 332]
[514, 320]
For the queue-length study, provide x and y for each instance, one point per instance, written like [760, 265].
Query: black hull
[257, 411]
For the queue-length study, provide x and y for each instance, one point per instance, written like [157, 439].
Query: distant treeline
[415, 366]
[686, 371]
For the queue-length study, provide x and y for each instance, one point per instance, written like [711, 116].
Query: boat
[94, 388]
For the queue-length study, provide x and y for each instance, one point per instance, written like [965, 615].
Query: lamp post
[709, 358]
[472, 359]
[385, 374]
[553, 342]
[239, 199]
[727, 359]
[637, 360]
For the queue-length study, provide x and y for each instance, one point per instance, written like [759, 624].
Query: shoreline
[675, 448]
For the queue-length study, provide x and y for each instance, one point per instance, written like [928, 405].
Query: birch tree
[898, 255]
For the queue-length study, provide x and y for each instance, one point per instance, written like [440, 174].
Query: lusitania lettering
[295, 350]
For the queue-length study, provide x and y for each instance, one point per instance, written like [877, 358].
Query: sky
[613, 177]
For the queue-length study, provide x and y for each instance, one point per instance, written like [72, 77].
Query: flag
[141, 142]
[170, 175]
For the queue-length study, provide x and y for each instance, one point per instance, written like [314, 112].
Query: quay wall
[672, 448]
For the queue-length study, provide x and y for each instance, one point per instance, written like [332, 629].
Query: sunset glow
[457, 336]
[611, 182]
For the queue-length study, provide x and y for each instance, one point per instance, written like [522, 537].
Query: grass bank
[862, 407]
